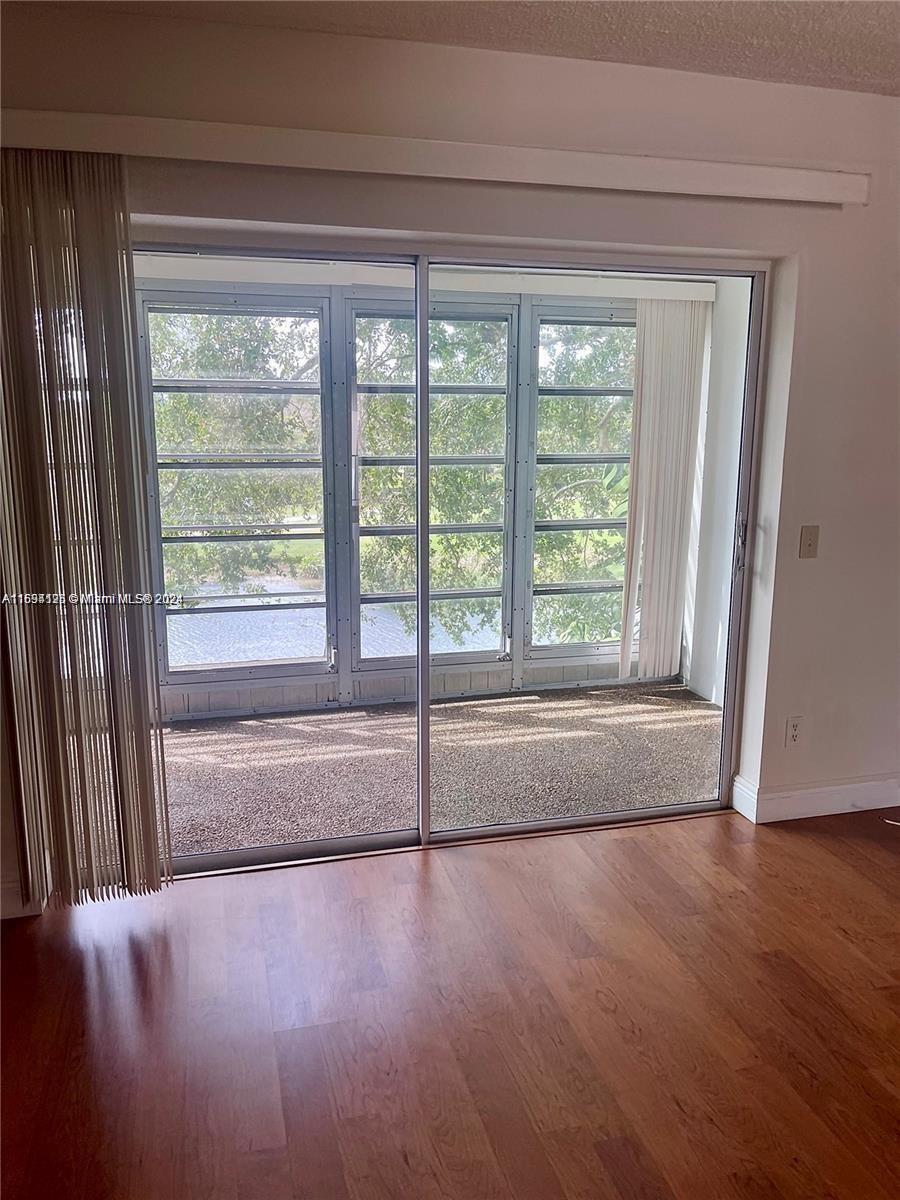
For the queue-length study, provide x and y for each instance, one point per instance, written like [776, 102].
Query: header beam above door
[321, 150]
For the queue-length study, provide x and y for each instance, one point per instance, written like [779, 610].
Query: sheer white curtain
[669, 367]
[81, 684]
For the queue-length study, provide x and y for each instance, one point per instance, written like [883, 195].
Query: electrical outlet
[809, 541]
[793, 732]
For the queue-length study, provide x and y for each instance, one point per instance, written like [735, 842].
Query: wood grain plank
[698, 1008]
[632, 1170]
[316, 1166]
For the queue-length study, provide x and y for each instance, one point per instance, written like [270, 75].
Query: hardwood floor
[697, 1009]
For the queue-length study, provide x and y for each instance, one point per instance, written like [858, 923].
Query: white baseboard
[762, 805]
[743, 797]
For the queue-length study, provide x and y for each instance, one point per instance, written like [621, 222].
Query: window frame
[159, 296]
[336, 307]
[442, 306]
[573, 312]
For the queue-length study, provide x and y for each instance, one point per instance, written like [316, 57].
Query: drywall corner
[775, 381]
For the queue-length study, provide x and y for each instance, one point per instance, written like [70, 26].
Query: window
[585, 381]
[469, 385]
[240, 497]
[293, 553]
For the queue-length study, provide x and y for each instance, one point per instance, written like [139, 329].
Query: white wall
[829, 447]
[709, 586]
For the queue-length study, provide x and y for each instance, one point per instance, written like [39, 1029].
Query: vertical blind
[78, 627]
[669, 366]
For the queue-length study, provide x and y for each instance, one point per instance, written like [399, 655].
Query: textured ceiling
[849, 44]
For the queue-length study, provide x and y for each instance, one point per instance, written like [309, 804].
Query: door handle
[740, 544]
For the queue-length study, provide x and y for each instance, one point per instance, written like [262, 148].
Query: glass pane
[466, 625]
[460, 561]
[300, 769]
[466, 495]
[242, 426]
[257, 571]
[387, 630]
[459, 495]
[460, 424]
[202, 345]
[387, 495]
[470, 424]
[224, 639]
[210, 498]
[579, 556]
[572, 355]
[584, 425]
[457, 626]
[572, 493]
[385, 350]
[387, 424]
[387, 562]
[595, 617]
[467, 352]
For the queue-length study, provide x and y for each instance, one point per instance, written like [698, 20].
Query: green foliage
[583, 356]
[584, 425]
[579, 556]
[458, 495]
[234, 346]
[458, 424]
[575, 493]
[191, 423]
[385, 350]
[575, 619]
[240, 499]
[457, 560]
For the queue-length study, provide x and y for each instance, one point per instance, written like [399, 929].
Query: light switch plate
[809, 541]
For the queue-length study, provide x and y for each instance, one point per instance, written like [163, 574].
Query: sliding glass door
[294, 432]
[284, 502]
[510, 743]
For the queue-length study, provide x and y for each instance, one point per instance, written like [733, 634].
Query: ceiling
[848, 44]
